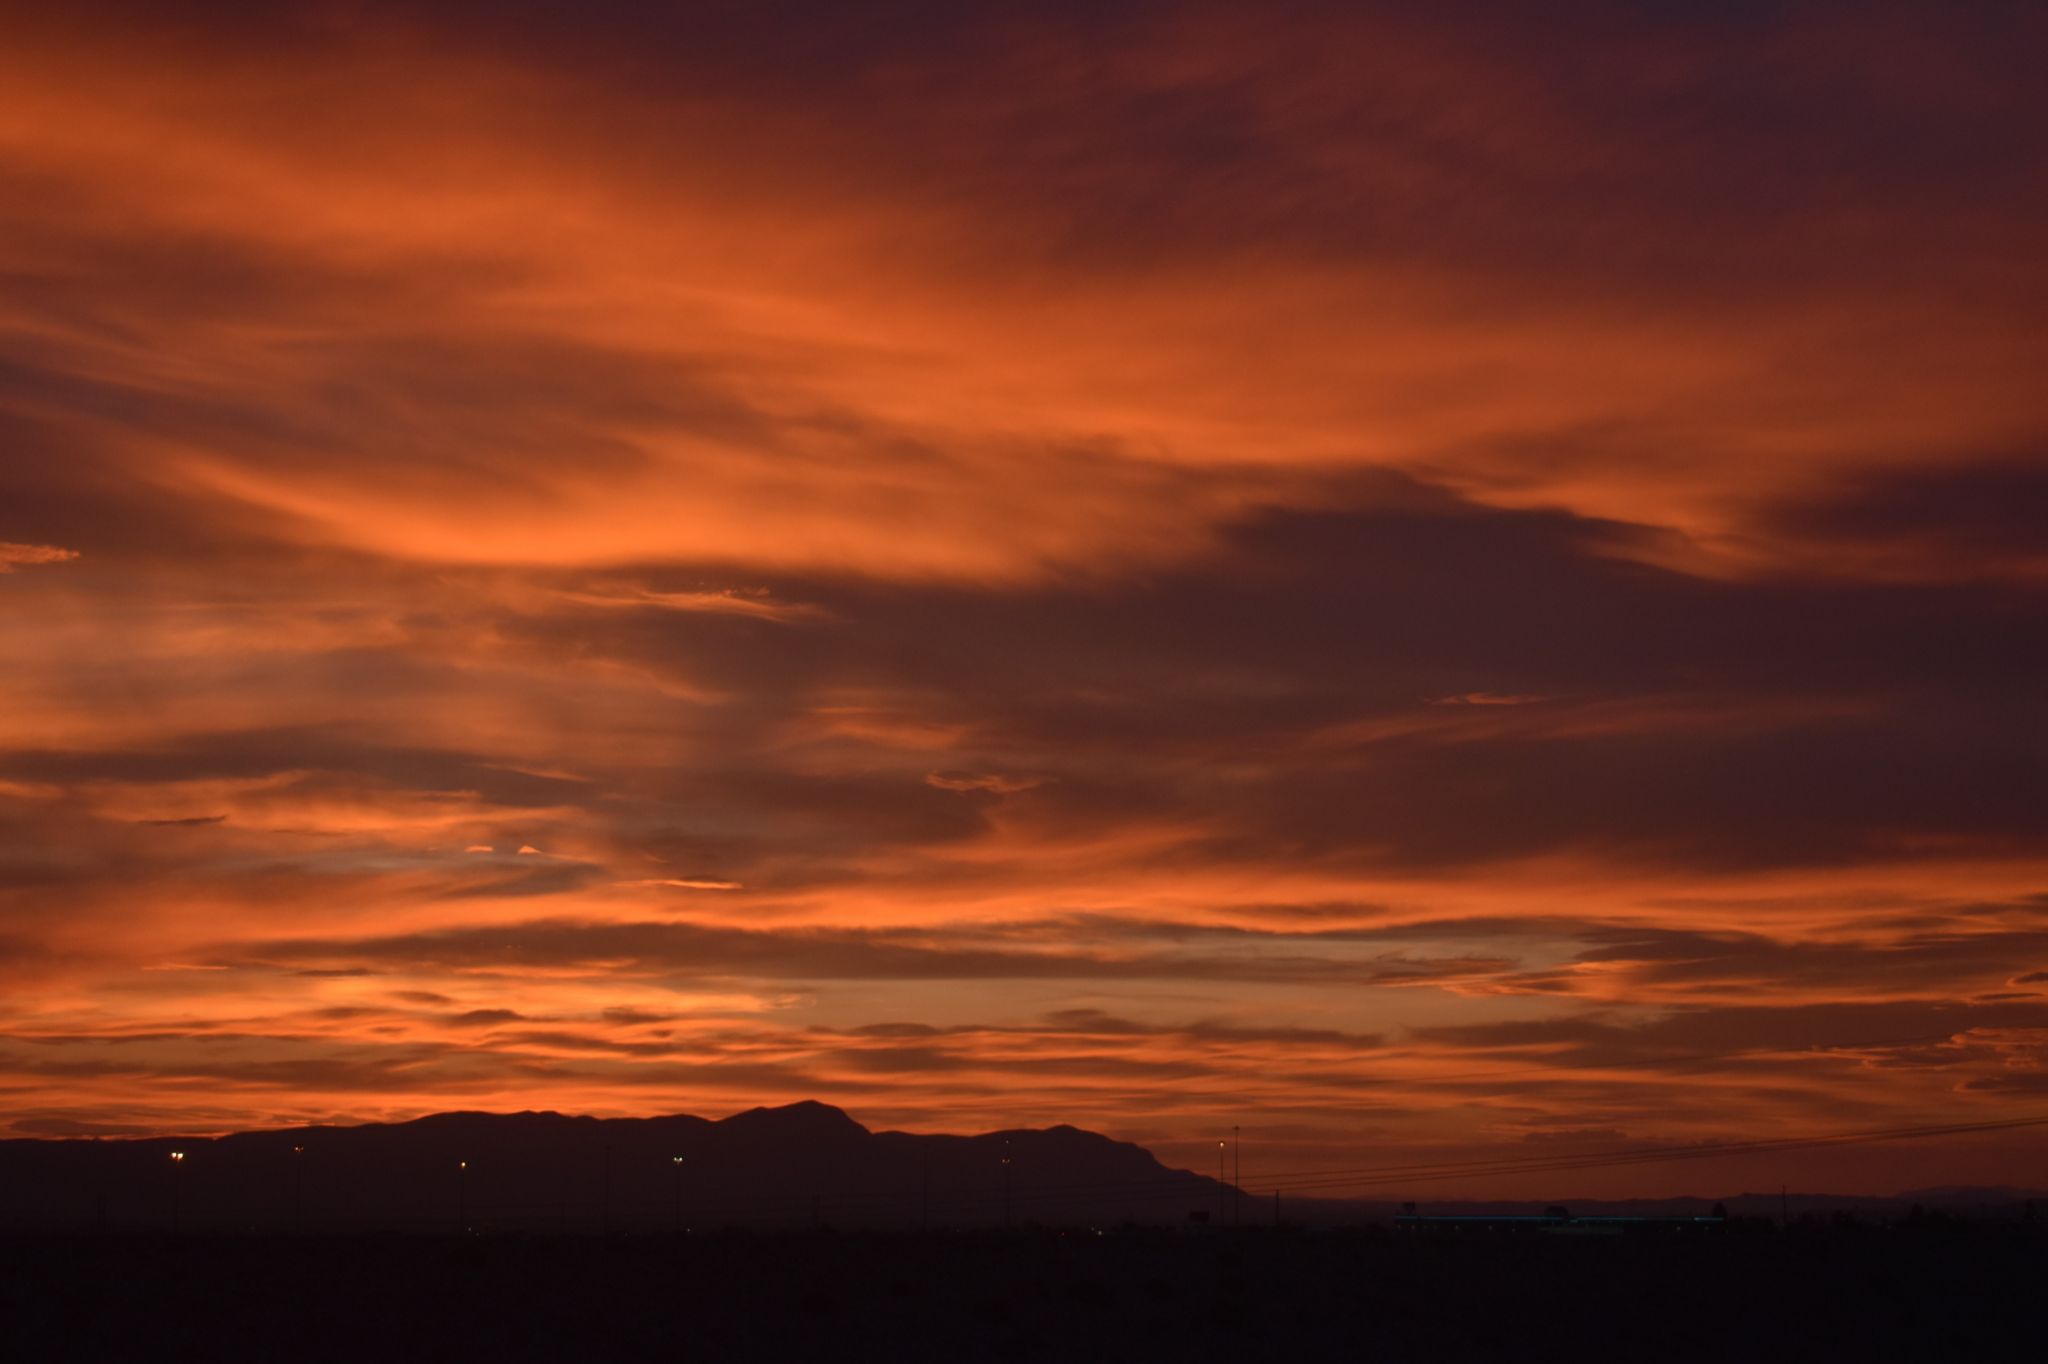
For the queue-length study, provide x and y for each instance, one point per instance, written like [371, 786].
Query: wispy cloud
[14, 556]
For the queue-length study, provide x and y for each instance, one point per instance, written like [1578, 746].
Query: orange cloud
[13, 556]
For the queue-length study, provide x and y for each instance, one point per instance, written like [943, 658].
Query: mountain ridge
[803, 1164]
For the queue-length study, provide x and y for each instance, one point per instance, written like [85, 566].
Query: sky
[1432, 583]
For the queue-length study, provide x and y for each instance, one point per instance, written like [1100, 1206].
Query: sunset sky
[1431, 581]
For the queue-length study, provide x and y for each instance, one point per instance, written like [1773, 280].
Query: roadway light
[177, 1194]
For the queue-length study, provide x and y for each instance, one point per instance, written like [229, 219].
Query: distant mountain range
[807, 1164]
[800, 1165]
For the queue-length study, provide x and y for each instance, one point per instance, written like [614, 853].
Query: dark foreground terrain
[1942, 1291]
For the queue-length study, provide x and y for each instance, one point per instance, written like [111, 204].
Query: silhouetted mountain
[1971, 1195]
[798, 1165]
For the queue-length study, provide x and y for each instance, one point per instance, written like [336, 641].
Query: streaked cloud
[13, 556]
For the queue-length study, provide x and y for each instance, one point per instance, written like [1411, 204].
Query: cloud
[697, 950]
[685, 883]
[485, 1018]
[757, 604]
[13, 556]
[992, 782]
[1969, 522]
[72, 1127]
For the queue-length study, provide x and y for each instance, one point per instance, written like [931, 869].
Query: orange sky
[1425, 585]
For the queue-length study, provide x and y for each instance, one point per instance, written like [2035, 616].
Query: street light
[461, 1196]
[676, 1164]
[177, 1208]
[1222, 1184]
[1006, 1182]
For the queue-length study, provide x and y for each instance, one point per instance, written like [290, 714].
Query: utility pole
[461, 1196]
[676, 1188]
[1222, 1186]
[299, 1187]
[1236, 1180]
[1006, 1183]
[924, 1184]
[605, 1206]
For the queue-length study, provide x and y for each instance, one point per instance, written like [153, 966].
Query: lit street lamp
[177, 1200]
[675, 1164]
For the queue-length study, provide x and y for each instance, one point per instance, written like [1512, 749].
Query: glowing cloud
[13, 556]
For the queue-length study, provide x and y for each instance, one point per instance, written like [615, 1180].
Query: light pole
[675, 1164]
[1222, 1184]
[299, 1187]
[1236, 1179]
[1006, 1183]
[461, 1196]
[177, 1194]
